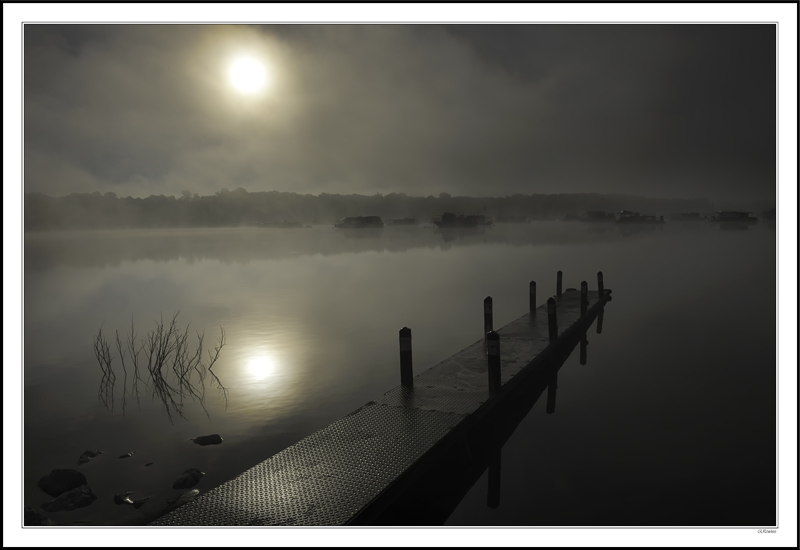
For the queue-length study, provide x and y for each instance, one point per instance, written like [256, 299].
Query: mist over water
[670, 422]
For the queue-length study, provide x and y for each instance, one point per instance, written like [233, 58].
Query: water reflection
[176, 370]
[326, 309]
[45, 251]
[433, 496]
[469, 234]
[261, 367]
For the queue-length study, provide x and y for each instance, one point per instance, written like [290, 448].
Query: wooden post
[584, 297]
[552, 322]
[600, 322]
[584, 343]
[601, 291]
[487, 314]
[493, 354]
[532, 298]
[551, 394]
[559, 277]
[406, 370]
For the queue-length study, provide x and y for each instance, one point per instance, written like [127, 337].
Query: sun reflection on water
[261, 367]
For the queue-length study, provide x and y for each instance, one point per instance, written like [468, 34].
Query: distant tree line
[240, 207]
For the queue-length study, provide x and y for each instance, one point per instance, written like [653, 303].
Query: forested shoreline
[239, 207]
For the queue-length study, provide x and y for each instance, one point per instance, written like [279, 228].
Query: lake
[671, 422]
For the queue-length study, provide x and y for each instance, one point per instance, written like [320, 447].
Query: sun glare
[247, 75]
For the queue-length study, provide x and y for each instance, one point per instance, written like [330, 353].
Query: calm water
[671, 422]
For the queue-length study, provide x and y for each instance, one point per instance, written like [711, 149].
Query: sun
[247, 75]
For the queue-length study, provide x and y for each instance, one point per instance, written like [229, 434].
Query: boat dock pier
[370, 467]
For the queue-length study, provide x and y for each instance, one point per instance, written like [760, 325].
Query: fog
[674, 111]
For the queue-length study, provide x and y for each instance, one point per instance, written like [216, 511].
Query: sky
[656, 110]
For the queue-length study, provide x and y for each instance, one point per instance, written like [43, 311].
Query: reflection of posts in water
[487, 315]
[493, 358]
[559, 278]
[532, 298]
[493, 494]
[551, 393]
[584, 343]
[552, 322]
[584, 297]
[406, 369]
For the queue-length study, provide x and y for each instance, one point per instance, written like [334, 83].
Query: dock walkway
[348, 471]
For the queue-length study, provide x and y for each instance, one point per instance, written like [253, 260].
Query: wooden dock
[369, 467]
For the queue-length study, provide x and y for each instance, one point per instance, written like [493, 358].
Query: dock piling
[600, 322]
[584, 297]
[493, 354]
[600, 288]
[406, 370]
[487, 314]
[559, 278]
[552, 322]
[532, 298]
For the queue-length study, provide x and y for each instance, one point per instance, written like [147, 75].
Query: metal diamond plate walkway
[338, 472]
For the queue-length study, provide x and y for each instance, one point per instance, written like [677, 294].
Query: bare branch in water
[213, 359]
[124, 370]
[103, 355]
[174, 371]
[134, 353]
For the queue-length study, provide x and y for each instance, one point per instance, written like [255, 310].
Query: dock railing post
[552, 322]
[559, 278]
[532, 298]
[487, 314]
[493, 355]
[406, 370]
[584, 297]
[600, 290]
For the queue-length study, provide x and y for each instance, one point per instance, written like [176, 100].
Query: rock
[76, 498]
[189, 479]
[124, 498]
[86, 456]
[213, 439]
[127, 455]
[33, 518]
[59, 481]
